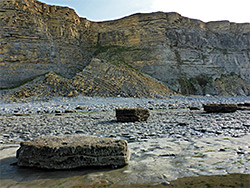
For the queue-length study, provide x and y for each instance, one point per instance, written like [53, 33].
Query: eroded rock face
[102, 78]
[72, 151]
[118, 81]
[37, 38]
[187, 55]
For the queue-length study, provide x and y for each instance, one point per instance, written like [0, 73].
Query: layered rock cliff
[98, 79]
[187, 55]
[37, 38]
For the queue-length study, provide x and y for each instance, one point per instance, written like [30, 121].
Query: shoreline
[175, 142]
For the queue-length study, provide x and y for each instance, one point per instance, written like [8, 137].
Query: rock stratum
[141, 55]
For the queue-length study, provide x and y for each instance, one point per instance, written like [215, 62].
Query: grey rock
[72, 151]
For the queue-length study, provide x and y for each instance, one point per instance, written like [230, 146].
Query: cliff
[36, 39]
[187, 55]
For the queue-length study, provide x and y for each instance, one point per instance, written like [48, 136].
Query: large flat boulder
[132, 114]
[72, 151]
[220, 108]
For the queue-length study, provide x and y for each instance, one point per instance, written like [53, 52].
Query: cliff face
[37, 38]
[99, 78]
[189, 56]
[107, 79]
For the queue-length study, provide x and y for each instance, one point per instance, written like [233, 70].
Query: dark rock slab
[220, 108]
[244, 106]
[132, 114]
[72, 151]
[194, 108]
[247, 104]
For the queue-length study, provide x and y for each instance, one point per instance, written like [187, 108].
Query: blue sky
[205, 10]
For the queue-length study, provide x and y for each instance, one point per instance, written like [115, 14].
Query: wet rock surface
[174, 142]
[72, 151]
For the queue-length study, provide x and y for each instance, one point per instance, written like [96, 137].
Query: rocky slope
[106, 79]
[99, 78]
[187, 55]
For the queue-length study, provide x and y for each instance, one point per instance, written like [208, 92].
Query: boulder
[72, 151]
[132, 114]
[247, 104]
[244, 106]
[220, 108]
[194, 108]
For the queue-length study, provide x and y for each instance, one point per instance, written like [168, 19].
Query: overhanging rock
[72, 151]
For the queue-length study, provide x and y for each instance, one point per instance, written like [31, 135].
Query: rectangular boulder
[72, 151]
[132, 114]
[220, 108]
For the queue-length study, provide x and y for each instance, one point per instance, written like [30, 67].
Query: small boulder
[244, 106]
[247, 104]
[220, 108]
[72, 151]
[132, 114]
[194, 108]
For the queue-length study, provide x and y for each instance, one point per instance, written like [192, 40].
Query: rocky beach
[178, 140]
[181, 87]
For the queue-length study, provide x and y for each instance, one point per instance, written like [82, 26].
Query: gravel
[96, 116]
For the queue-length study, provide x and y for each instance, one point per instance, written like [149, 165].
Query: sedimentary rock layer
[37, 38]
[187, 55]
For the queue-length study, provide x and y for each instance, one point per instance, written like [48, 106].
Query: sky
[205, 10]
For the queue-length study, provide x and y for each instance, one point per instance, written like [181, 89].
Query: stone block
[220, 108]
[194, 108]
[244, 106]
[72, 151]
[132, 114]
